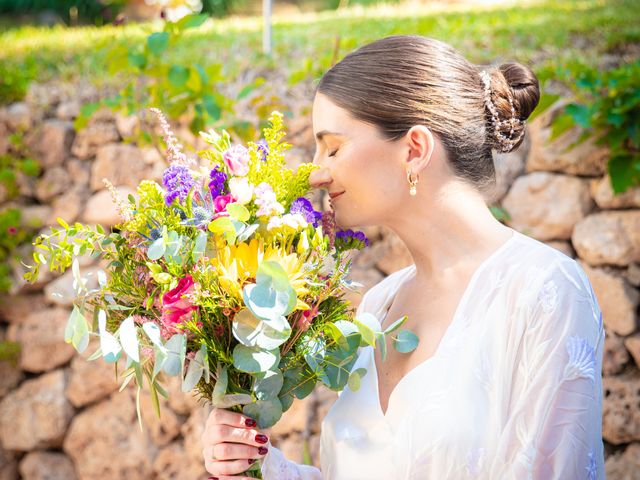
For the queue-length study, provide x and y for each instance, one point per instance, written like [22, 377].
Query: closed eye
[333, 153]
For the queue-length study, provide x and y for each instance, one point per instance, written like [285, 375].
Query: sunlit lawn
[546, 34]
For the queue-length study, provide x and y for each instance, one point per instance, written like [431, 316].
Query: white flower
[266, 200]
[582, 360]
[241, 190]
[295, 221]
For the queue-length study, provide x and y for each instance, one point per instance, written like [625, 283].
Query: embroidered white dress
[513, 391]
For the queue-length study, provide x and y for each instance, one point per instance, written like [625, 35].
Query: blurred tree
[71, 12]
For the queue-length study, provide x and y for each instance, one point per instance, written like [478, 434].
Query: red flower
[176, 308]
[12, 230]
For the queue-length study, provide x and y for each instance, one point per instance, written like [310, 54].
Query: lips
[335, 194]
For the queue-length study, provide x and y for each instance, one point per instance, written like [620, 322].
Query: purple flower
[303, 206]
[218, 179]
[263, 147]
[178, 181]
[350, 239]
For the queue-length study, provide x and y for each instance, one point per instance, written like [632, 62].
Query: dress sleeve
[553, 428]
[276, 467]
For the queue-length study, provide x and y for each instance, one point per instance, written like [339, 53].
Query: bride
[506, 380]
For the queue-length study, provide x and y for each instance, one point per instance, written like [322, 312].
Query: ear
[421, 144]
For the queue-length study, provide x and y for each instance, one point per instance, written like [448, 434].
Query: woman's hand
[231, 443]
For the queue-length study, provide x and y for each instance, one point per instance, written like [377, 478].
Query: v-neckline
[454, 318]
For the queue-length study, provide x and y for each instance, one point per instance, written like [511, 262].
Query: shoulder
[540, 267]
[559, 296]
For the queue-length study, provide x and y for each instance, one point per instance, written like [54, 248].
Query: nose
[320, 178]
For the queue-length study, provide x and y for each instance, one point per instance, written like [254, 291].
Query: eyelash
[333, 153]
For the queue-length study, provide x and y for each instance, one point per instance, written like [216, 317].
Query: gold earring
[412, 183]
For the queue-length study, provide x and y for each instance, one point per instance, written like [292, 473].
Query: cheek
[373, 189]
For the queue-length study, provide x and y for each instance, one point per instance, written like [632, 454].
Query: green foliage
[13, 231]
[607, 106]
[12, 234]
[152, 79]
[15, 77]
[17, 162]
[95, 11]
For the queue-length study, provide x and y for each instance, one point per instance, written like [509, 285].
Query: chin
[344, 220]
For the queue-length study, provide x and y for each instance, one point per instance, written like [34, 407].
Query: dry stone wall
[62, 417]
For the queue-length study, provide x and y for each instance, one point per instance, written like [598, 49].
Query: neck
[447, 232]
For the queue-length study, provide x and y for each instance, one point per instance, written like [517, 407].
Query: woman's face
[364, 174]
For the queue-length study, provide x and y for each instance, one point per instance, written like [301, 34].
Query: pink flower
[221, 201]
[175, 308]
[220, 205]
[236, 158]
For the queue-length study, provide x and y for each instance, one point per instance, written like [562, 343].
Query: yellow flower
[238, 264]
[235, 264]
[293, 265]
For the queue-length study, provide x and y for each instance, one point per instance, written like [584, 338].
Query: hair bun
[511, 93]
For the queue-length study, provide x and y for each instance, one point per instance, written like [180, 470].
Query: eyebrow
[321, 134]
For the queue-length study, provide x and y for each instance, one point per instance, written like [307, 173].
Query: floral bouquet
[224, 275]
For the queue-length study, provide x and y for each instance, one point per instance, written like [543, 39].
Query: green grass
[545, 34]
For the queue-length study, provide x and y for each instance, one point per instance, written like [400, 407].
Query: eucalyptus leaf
[247, 232]
[254, 360]
[381, 343]
[194, 371]
[238, 212]
[405, 341]
[156, 249]
[314, 348]
[160, 356]
[268, 384]
[266, 302]
[111, 348]
[223, 226]
[129, 339]
[355, 377]
[253, 332]
[272, 273]
[77, 331]
[265, 412]
[220, 388]
[367, 334]
[176, 349]
[200, 245]
[395, 325]
[153, 332]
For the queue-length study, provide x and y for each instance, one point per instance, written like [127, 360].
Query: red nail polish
[263, 450]
[261, 438]
[250, 422]
[251, 460]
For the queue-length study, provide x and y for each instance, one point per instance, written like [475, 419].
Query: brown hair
[404, 80]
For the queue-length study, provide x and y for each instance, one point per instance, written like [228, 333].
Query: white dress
[513, 391]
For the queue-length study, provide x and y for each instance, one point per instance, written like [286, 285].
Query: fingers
[229, 459]
[229, 467]
[227, 417]
[231, 444]
[232, 451]
[219, 433]
[226, 477]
